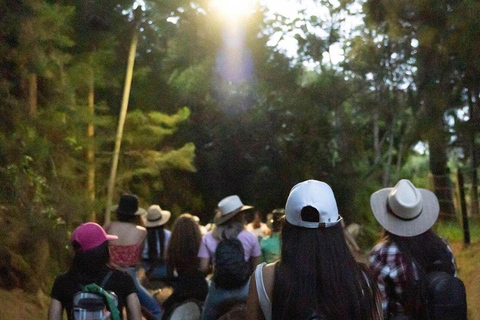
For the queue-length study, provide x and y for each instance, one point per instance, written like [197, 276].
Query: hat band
[389, 210]
[155, 220]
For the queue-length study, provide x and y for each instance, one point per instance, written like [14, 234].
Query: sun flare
[233, 9]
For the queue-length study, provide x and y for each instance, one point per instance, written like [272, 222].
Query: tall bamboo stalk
[32, 94]
[121, 122]
[91, 146]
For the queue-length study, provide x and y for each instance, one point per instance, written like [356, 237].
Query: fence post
[461, 187]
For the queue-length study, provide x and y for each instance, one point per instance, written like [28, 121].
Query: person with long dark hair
[156, 243]
[316, 276]
[182, 263]
[409, 247]
[126, 251]
[91, 265]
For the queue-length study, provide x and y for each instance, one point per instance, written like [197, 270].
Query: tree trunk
[388, 162]
[91, 147]
[376, 138]
[441, 174]
[32, 94]
[434, 94]
[401, 146]
[474, 190]
[474, 118]
[121, 122]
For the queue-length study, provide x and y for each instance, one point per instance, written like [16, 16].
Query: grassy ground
[468, 263]
[453, 231]
[468, 260]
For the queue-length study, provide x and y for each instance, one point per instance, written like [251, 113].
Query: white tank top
[263, 300]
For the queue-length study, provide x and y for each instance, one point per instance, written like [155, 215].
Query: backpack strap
[106, 278]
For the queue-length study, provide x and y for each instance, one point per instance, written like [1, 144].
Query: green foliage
[33, 232]
[453, 230]
[191, 81]
[354, 124]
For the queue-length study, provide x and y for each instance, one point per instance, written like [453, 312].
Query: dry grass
[18, 305]
[468, 263]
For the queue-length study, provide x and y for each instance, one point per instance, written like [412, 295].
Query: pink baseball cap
[90, 235]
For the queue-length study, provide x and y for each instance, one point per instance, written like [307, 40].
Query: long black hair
[135, 219]
[152, 234]
[427, 250]
[317, 274]
[429, 253]
[87, 266]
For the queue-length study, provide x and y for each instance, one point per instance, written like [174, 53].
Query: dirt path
[18, 305]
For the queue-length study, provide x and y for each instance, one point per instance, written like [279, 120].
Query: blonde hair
[231, 228]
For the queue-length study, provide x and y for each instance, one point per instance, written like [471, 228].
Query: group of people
[297, 267]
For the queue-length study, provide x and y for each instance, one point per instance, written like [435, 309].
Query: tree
[437, 83]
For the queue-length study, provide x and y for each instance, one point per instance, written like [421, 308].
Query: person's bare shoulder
[142, 229]
[269, 278]
[141, 232]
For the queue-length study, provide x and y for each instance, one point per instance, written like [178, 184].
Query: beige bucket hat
[405, 210]
[156, 217]
[229, 207]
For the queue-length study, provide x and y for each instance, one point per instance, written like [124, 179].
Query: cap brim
[230, 215]
[111, 237]
[403, 228]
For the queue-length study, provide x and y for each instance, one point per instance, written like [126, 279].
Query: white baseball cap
[316, 194]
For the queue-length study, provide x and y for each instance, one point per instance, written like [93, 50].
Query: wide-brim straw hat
[156, 216]
[230, 207]
[405, 210]
[128, 206]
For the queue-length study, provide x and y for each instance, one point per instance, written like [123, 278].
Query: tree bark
[474, 117]
[401, 146]
[441, 174]
[32, 94]
[376, 138]
[388, 162]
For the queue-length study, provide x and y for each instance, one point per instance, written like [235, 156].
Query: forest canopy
[219, 105]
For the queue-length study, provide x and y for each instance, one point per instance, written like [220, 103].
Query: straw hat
[156, 216]
[229, 207]
[405, 210]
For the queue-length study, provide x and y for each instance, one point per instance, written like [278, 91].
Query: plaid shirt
[386, 261]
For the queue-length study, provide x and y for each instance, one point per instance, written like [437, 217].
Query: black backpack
[442, 297]
[438, 295]
[231, 269]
